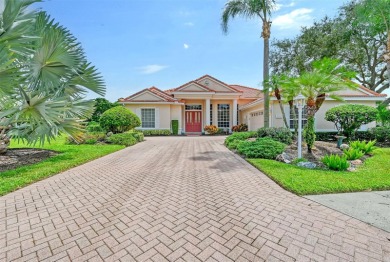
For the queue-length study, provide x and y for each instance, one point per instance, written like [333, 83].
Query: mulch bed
[14, 158]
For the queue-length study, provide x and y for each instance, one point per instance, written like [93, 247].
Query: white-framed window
[223, 115]
[211, 114]
[148, 117]
[295, 119]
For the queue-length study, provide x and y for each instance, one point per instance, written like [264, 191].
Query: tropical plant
[44, 76]
[211, 129]
[326, 78]
[383, 117]
[336, 162]
[367, 147]
[353, 153]
[348, 118]
[119, 119]
[240, 128]
[275, 82]
[254, 9]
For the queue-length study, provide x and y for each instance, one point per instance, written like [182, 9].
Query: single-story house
[209, 101]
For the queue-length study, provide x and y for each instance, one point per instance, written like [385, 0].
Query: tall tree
[46, 76]
[326, 77]
[254, 9]
[376, 13]
[356, 45]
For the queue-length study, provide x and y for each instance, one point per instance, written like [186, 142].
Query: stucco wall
[163, 114]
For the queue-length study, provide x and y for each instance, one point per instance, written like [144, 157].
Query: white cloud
[186, 46]
[189, 24]
[277, 7]
[294, 20]
[151, 69]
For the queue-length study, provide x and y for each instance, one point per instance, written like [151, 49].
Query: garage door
[256, 120]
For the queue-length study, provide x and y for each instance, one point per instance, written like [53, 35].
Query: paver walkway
[176, 199]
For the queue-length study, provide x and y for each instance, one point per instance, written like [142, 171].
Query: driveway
[176, 199]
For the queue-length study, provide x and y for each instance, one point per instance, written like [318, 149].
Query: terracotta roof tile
[166, 97]
[248, 92]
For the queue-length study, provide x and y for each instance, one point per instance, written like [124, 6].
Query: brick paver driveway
[176, 199]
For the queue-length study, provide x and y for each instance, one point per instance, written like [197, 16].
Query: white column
[207, 111]
[235, 116]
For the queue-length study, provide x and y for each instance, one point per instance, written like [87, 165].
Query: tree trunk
[266, 35]
[311, 108]
[278, 96]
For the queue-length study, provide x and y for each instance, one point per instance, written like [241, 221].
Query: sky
[136, 44]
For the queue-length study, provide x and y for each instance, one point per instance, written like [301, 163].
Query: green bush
[233, 140]
[139, 136]
[119, 119]
[380, 133]
[360, 135]
[125, 139]
[261, 148]
[352, 153]
[336, 162]
[94, 127]
[280, 134]
[365, 146]
[156, 132]
[89, 138]
[348, 118]
[309, 133]
[175, 127]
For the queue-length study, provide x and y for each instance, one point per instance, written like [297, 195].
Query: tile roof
[161, 94]
[248, 92]
[370, 91]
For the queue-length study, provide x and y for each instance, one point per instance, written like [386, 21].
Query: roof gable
[152, 94]
[193, 87]
[215, 84]
[361, 91]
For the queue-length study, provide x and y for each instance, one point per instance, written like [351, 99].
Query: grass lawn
[70, 156]
[374, 174]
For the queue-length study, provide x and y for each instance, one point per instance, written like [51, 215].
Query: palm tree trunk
[4, 141]
[266, 35]
[283, 113]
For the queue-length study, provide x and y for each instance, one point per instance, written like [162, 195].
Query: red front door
[193, 121]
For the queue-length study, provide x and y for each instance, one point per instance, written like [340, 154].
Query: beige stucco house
[209, 101]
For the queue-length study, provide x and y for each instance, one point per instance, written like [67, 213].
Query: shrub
[309, 133]
[156, 132]
[119, 119]
[175, 127]
[330, 136]
[233, 140]
[336, 162]
[211, 129]
[94, 127]
[383, 116]
[380, 133]
[353, 153]
[240, 128]
[261, 148]
[349, 118]
[126, 139]
[280, 134]
[139, 136]
[87, 138]
[365, 146]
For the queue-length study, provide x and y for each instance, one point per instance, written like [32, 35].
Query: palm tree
[251, 9]
[326, 78]
[46, 76]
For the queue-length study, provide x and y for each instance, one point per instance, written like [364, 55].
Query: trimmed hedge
[234, 139]
[175, 127]
[126, 139]
[280, 134]
[156, 132]
[261, 148]
[119, 119]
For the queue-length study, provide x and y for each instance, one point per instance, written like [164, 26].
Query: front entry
[194, 121]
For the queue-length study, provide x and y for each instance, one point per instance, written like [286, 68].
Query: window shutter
[157, 118]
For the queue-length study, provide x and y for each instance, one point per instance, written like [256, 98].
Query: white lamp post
[299, 102]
